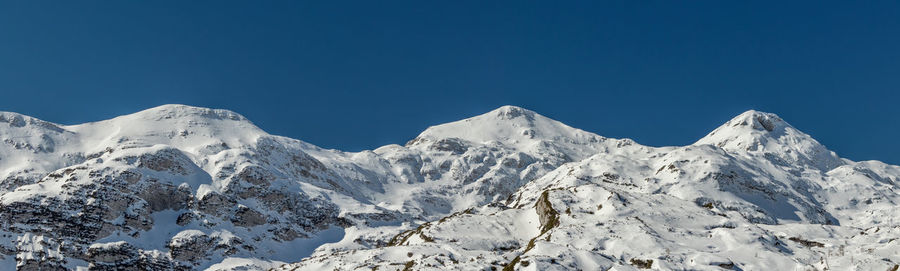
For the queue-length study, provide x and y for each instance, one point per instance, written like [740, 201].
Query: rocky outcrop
[123, 256]
[191, 246]
[548, 216]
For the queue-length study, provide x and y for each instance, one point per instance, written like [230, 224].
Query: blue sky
[357, 75]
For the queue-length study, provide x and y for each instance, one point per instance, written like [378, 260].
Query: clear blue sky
[357, 75]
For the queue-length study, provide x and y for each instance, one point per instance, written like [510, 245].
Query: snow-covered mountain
[185, 188]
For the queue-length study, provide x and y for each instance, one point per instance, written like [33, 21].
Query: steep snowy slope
[181, 188]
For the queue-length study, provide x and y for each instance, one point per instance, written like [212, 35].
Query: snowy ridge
[185, 188]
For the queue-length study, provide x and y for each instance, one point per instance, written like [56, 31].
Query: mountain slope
[179, 188]
[746, 197]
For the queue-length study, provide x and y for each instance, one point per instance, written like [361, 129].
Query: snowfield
[185, 188]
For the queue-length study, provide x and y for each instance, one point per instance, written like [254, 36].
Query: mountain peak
[767, 133]
[508, 112]
[757, 120]
[504, 124]
[181, 126]
[177, 117]
[511, 126]
[748, 126]
[174, 111]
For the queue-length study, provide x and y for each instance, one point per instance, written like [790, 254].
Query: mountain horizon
[179, 187]
[180, 108]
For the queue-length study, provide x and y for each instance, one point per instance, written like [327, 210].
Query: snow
[766, 183]
[516, 127]
[754, 193]
[759, 132]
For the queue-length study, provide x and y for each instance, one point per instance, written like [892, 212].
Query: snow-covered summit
[182, 126]
[173, 111]
[175, 116]
[510, 125]
[517, 128]
[768, 134]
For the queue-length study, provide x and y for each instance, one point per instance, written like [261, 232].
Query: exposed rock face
[164, 196]
[246, 217]
[185, 188]
[111, 253]
[191, 246]
[123, 256]
[548, 217]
